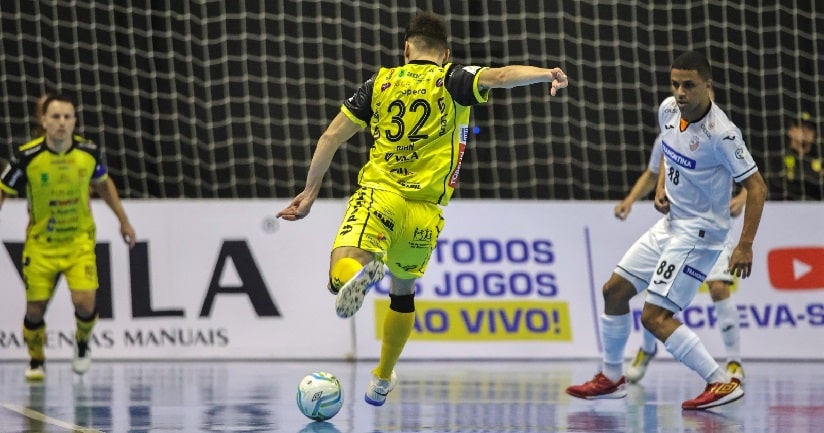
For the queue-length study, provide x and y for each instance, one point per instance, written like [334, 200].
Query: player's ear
[446, 55]
[406, 50]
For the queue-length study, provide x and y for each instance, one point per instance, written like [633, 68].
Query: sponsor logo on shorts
[385, 220]
[422, 235]
[695, 273]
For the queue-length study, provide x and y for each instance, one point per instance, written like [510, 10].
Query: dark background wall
[223, 99]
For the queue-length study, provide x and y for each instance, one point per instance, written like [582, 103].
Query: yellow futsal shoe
[735, 370]
[638, 368]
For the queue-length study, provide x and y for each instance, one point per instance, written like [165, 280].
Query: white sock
[615, 332]
[728, 325]
[685, 346]
[649, 343]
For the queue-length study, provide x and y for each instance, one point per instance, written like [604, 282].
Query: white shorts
[670, 264]
[719, 270]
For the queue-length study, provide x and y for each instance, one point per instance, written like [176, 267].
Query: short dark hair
[57, 97]
[430, 29]
[694, 61]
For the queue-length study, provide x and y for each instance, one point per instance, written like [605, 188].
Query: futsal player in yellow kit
[418, 115]
[55, 170]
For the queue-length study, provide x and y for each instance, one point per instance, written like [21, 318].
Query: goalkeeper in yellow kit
[418, 115]
[56, 170]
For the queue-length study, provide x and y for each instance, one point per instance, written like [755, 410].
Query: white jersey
[654, 165]
[719, 270]
[701, 160]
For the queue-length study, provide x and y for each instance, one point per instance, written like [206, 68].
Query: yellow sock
[35, 341]
[343, 271]
[397, 327]
[84, 328]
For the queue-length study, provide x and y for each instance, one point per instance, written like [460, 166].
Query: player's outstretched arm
[741, 258]
[511, 76]
[108, 192]
[340, 129]
[643, 186]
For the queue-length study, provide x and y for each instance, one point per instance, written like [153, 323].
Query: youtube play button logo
[796, 268]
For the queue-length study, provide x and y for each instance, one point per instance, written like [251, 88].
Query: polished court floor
[477, 396]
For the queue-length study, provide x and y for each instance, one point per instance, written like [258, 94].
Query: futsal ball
[320, 396]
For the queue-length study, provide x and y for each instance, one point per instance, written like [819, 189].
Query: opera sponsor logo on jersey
[797, 268]
[706, 128]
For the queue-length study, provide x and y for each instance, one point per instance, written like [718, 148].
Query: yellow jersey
[418, 115]
[57, 190]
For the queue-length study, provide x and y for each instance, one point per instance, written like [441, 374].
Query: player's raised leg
[351, 295]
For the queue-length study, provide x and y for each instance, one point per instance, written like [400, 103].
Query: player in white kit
[703, 154]
[719, 280]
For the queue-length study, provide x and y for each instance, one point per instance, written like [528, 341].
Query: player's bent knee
[654, 317]
[617, 289]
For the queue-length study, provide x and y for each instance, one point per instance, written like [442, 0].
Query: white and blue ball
[320, 396]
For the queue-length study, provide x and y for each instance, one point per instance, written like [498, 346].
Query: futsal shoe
[599, 387]
[735, 370]
[82, 357]
[379, 389]
[716, 394]
[351, 295]
[36, 371]
[638, 368]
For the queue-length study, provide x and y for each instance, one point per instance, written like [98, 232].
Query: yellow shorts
[405, 232]
[43, 266]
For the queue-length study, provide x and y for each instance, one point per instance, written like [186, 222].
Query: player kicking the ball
[418, 115]
[703, 154]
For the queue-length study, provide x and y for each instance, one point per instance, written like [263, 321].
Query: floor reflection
[473, 397]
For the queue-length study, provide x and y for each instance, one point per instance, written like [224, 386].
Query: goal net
[226, 99]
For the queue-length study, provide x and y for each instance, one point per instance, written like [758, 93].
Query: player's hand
[622, 209]
[298, 209]
[741, 260]
[559, 81]
[661, 201]
[127, 232]
[737, 206]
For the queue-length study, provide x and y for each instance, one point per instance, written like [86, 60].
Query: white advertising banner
[223, 279]
[208, 279]
[523, 280]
